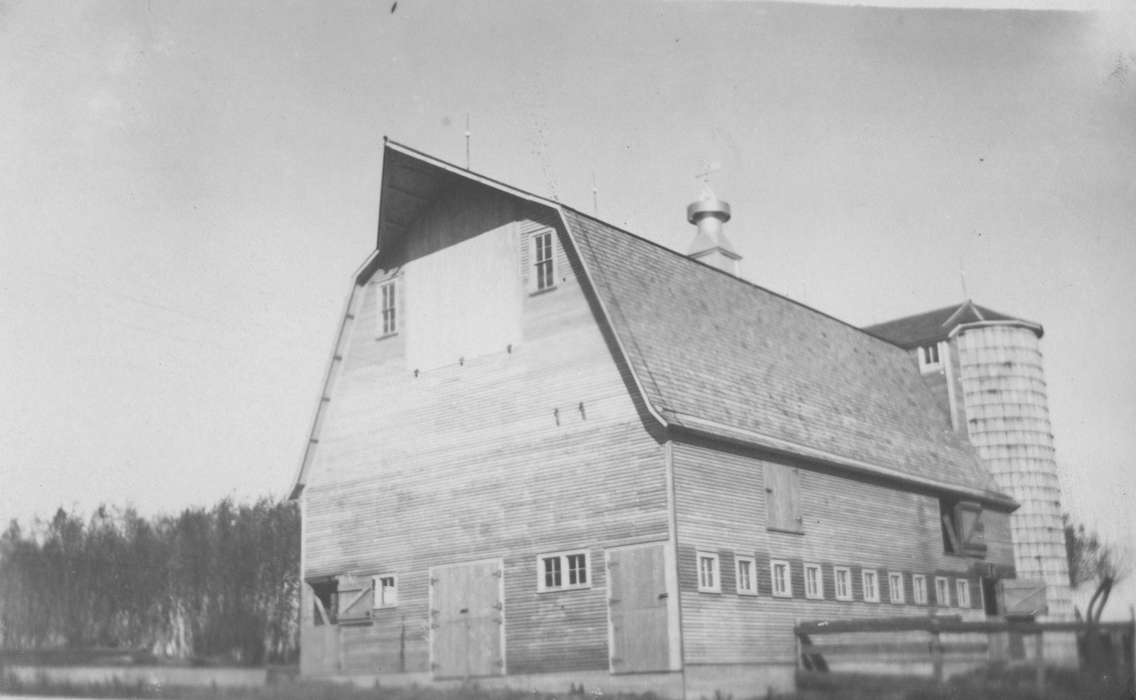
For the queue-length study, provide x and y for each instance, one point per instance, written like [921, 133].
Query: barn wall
[536, 446]
[721, 507]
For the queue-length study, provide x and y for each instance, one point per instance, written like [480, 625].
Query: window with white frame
[929, 357]
[871, 581]
[962, 592]
[842, 577]
[385, 590]
[780, 573]
[814, 582]
[895, 587]
[747, 576]
[543, 265]
[919, 589]
[388, 308]
[708, 573]
[562, 571]
[942, 592]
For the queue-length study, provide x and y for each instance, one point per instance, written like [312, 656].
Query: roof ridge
[743, 280]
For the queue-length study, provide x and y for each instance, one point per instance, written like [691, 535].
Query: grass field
[1010, 685]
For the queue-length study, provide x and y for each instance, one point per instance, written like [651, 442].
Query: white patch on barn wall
[464, 300]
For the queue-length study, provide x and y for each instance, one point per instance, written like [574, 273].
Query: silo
[1002, 378]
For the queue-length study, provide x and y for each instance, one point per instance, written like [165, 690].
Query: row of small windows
[780, 571]
[544, 277]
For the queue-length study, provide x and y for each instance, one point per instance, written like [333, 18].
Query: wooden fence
[934, 648]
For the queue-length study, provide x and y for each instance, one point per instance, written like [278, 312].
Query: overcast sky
[186, 188]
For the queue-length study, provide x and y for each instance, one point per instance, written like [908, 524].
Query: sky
[186, 189]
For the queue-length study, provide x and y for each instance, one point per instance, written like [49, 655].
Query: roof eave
[738, 436]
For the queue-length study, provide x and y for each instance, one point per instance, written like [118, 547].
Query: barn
[549, 452]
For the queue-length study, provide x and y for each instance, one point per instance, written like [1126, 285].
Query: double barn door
[467, 620]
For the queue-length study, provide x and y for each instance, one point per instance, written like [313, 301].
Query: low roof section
[932, 326]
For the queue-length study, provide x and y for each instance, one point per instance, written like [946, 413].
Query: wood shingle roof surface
[931, 326]
[710, 349]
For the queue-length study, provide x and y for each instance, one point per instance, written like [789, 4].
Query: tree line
[219, 583]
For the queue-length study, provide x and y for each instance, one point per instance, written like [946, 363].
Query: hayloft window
[842, 576]
[942, 592]
[747, 576]
[708, 573]
[386, 591]
[543, 261]
[962, 592]
[563, 571]
[780, 573]
[814, 582]
[783, 498]
[963, 531]
[871, 585]
[919, 589]
[895, 588]
[929, 358]
[388, 308]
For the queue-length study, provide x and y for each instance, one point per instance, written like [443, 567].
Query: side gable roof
[931, 326]
[718, 356]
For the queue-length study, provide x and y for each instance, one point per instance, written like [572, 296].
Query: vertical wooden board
[484, 606]
[638, 609]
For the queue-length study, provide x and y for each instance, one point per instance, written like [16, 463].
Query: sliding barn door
[467, 620]
[637, 606]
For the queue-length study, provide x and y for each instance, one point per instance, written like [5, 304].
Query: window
[388, 308]
[929, 358]
[386, 590]
[780, 572]
[747, 576]
[542, 261]
[814, 582]
[919, 589]
[562, 571]
[963, 530]
[895, 587]
[783, 498]
[962, 592]
[843, 580]
[942, 592]
[325, 602]
[708, 573]
[871, 585]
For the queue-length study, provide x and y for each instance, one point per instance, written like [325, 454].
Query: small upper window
[562, 571]
[781, 586]
[388, 308]
[919, 589]
[386, 591]
[895, 587]
[747, 576]
[543, 262]
[708, 573]
[929, 357]
[942, 592]
[843, 579]
[962, 592]
[871, 585]
[814, 582]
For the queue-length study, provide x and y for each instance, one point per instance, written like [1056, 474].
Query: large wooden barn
[555, 452]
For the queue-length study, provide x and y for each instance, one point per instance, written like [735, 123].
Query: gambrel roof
[720, 357]
[931, 326]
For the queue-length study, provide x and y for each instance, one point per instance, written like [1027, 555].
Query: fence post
[1039, 663]
[936, 651]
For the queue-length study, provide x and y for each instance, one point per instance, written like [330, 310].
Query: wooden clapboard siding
[846, 521]
[535, 448]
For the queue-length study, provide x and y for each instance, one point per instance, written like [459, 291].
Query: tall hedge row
[212, 583]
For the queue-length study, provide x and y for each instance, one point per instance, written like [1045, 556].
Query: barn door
[468, 620]
[637, 608]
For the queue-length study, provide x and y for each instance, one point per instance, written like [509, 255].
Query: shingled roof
[717, 355]
[720, 357]
[931, 326]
